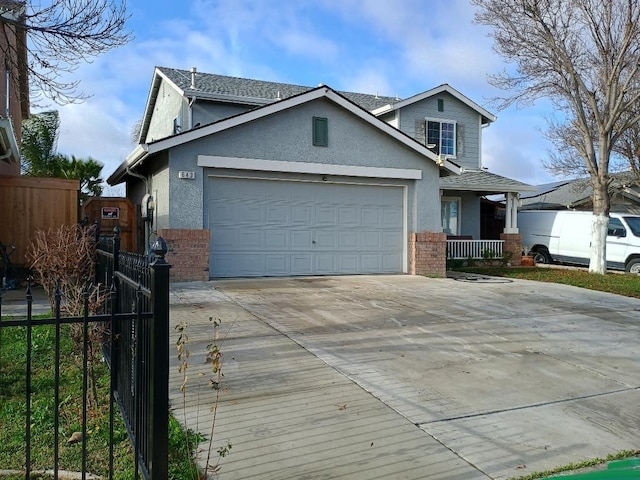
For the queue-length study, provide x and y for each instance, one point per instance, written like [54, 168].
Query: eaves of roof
[484, 182]
[143, 151]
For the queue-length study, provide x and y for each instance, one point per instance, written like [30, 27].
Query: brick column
[513, 244]
[428, 254]
[188, 253]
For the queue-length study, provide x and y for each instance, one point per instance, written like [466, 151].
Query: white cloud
[373, 46]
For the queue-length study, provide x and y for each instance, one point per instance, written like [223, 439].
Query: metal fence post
[159, 425]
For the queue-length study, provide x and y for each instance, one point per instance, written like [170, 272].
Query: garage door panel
[348, 262]
[348, 216]
[392, 217]
[265, 227]
[222, 238]
[324, 239]
[325, 263]
[248, 240]
[301, 214]
[275, 239]
[301, 239]
[278, 264]
[370, 217]
[246, 265]
[371, 262]
[389, 262]
[325, 216]
[347, 239]
[277, 215]
[391, 240]
[302, 264]
[248, 214]
[370, 240]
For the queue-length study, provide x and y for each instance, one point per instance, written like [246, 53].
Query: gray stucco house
[253, 178]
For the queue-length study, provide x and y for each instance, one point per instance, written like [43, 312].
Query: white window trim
[455, 133]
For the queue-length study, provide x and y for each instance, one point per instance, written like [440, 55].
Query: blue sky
[372, 46]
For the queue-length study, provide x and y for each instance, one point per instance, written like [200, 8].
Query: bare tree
[629, 148]
[584, 56]
[49, 39]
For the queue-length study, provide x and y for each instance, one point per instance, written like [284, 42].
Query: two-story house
[254, 178]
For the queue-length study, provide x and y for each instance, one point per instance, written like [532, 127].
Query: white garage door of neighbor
[278, 228]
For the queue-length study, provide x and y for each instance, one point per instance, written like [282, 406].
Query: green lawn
[13, 411]
[622, 284]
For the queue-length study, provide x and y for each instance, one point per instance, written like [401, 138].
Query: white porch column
[511, 215]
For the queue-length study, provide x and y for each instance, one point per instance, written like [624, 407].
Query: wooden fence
[28, 204]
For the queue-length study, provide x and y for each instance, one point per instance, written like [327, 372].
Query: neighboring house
[266, 178]
[576, 195]
[13, 86]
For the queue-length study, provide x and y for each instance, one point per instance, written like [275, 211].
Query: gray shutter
[320, 131]
[421, 133]
[459, 139]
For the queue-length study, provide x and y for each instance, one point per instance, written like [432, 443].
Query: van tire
[541, 256]
[633, 266]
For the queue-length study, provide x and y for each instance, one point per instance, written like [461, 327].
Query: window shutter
[441, 105]
[459, 139]
[420, 132]
[320, 131]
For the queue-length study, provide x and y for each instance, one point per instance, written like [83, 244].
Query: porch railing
[475, 249]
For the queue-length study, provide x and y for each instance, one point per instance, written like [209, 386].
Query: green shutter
[320, 131]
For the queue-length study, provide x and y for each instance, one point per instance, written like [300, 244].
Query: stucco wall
[469, 212]
[169, 105]
[468, 126]
[287, 136]
[204, 112]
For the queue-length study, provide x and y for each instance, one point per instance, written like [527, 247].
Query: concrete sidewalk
[407, 377]
[14, 302]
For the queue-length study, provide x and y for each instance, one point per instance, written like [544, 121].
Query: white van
[565, 236]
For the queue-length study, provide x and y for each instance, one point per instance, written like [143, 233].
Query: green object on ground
[627, 468]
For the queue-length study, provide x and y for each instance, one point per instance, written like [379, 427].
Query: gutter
[135, 158]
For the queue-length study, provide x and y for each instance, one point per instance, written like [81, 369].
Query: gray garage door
[278, 228]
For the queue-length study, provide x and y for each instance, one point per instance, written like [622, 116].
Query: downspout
[191, 102]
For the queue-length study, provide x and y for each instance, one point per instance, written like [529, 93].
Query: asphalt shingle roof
[483, 181]
[569, 194]
[212, 86]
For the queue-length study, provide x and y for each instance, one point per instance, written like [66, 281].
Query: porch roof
[484, 182]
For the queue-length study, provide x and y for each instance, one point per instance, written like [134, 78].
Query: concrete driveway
[406, 377]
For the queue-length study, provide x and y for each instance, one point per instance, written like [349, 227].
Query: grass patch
[13, 411]
[594, 462]
[622, 284]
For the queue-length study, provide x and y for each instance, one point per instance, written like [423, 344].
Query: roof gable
[145, 150]
[487, 117]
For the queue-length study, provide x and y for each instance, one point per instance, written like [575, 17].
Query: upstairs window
[442, 134]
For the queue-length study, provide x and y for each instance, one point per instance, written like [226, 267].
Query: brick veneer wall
[513, 244]
[188, 254]
[428, 254]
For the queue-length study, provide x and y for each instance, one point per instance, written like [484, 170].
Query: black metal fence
[135, 345]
